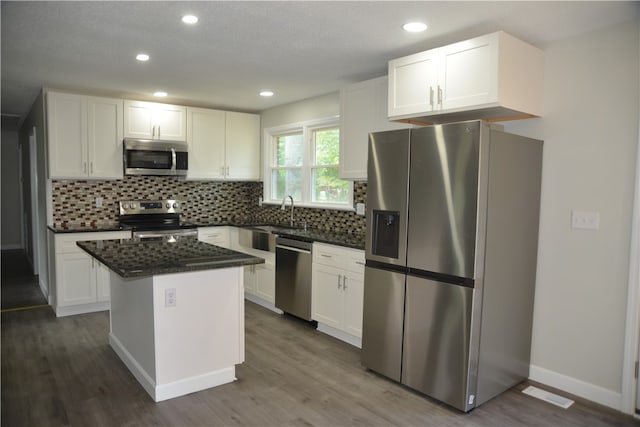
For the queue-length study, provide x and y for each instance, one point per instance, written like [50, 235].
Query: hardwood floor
[19, 286]
[62, 372]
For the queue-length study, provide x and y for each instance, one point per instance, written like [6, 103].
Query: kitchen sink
[261, 237]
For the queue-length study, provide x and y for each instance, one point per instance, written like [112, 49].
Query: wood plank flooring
[20, 287]
[62, 372]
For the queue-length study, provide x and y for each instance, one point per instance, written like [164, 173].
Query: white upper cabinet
[363, 109]
[495, 76]
[206, 139]
[152, 120]
[243, 146]
[223, 145]
[84, 136]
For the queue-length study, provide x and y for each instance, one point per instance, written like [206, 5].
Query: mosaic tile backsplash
[74, 203]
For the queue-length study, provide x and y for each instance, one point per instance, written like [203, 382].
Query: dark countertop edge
[317, 235]
[243, 260]
[87, 229]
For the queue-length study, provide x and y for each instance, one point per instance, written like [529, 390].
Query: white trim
[35, 222]
[261, 302]
[193, 384]
[306, 127]
[632, 328]
[143, 377]
[70, 310]
[577, 387]
[341, 335]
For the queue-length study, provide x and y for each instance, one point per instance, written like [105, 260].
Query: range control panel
[132, 207]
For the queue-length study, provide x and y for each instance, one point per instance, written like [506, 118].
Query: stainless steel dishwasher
[293, 277]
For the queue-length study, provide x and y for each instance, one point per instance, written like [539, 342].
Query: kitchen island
[177, 311]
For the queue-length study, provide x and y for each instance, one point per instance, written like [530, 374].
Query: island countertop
[135, 258]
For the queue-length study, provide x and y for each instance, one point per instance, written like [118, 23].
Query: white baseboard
[341, 335]
[70, 310]
[160, 392]
[43, 288]
[264, 303]
[577, 387]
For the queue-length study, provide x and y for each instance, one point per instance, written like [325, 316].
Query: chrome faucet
[282, 207]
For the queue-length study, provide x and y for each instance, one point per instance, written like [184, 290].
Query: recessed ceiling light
[142, 57]
[414, 27]
[160, 94]
[189, 19]
[266, 93]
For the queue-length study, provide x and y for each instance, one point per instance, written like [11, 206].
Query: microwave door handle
[173, 158]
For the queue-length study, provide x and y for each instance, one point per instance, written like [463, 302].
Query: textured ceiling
[296, 49]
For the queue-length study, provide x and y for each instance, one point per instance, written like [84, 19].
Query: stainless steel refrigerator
[451, 246]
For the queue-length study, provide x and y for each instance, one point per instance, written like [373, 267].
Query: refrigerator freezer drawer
[436, 341]
[382, 321]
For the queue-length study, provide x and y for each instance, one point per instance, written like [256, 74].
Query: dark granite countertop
[350, 240]
[135, 258]
[83, 227]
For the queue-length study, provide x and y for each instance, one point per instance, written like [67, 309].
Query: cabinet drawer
[339, 257]
[66, 243]
[328, 255]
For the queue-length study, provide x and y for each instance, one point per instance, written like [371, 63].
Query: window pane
[286, 182]
[327, 187]
[289, 150]
[327, 146]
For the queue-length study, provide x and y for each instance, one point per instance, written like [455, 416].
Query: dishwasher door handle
[289, 248]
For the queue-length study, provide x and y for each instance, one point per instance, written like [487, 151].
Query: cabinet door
[243, 146]
[76, 281]
[327, 298]
[413, 84]
[206, 138]
[170, 122]
[363, 109]
[468, 73]
[353, 287]
[103, 281]
[250, 280]
[105, 133]
[137, 119]
[67, 135]
[266, 282]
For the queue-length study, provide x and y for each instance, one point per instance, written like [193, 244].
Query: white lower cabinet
[337, 291]
[80, 284]
[260, 281]
[218, 236]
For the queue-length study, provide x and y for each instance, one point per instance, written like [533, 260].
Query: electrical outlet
[585, 220]
[99, 202]
[260, 201]
[359, 208]
[170, 297]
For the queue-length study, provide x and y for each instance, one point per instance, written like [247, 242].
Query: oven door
[149, 157]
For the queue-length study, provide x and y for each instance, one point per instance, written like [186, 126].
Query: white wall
[11, 215]
[590, 129]
[319, 107]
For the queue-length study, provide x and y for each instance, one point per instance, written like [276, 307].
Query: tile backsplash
[74, 202]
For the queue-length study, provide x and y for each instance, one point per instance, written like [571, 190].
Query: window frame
[308, 162]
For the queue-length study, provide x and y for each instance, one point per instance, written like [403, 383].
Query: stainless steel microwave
[154, 157]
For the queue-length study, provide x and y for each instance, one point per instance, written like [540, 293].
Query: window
[303, 163]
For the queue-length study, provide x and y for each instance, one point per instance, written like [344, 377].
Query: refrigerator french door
[433, 194]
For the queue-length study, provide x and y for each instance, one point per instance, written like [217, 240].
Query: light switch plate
[585, 220]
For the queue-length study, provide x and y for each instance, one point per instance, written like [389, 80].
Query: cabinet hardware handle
[439, 95]
[344, 283]
[431, 95]
[158, 132]
[339, 276]
[91, 167]
[153, 132]
[84, 167]
[326, 256]
[360, 262]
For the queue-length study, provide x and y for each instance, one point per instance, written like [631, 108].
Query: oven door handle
[156, 234]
